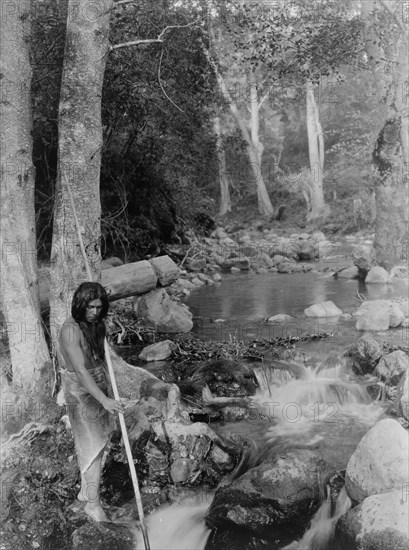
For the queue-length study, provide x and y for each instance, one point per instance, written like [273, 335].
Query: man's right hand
[113, 406]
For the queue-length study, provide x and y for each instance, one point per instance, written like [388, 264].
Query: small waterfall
[267, 377]
[179, 526]
[318, 395]
[323, 524]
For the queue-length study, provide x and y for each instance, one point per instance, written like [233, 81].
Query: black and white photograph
[204, 274]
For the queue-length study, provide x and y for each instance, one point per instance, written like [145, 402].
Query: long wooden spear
[114, 386]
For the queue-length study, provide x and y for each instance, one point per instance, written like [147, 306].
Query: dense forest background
[160, 169]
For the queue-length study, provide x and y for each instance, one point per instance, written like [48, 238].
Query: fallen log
[123, 281]
[166, 270]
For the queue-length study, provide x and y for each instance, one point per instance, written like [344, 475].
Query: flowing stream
[323, 406]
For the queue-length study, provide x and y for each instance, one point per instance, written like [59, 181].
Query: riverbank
[218, 381]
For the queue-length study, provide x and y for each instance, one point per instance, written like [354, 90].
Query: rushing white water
[319, 395]
[321, 408]
[179, 526]
[322, 525]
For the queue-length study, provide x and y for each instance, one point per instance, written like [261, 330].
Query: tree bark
[79, 153]
[264, 203]
[316, 154]
[225, 202]
[391, 151]
[19, 301]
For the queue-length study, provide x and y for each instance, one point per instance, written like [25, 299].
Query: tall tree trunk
[79, 153]
[391, 161]
[19, 303]
[391, 150]
[316, 154]
[225, 202]
[257, 146]
[264, 203]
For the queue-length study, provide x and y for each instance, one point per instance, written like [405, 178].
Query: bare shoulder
[70, 332]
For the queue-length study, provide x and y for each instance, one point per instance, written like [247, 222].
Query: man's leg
[92, 478]
[82, 495]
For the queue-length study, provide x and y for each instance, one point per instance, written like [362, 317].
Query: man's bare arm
[70, 341]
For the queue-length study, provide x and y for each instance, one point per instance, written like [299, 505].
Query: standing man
[87, 389]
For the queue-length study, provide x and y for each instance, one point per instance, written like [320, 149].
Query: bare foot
[95, 511]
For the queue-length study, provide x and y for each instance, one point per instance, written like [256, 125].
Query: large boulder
[399, 275]
[364, 258]
[278, 497]
[378, 315]
[196, 452]
[158, 351]
[158, 310]
[377, 274]
[380, 462]
[324, 309]
[391, 367]
[365, 354]
[380, 522]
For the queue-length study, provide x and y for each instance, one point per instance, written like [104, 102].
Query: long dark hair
[94, 333]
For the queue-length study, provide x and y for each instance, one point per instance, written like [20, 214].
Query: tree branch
[158, 40]
[136, 43]
[262, 100]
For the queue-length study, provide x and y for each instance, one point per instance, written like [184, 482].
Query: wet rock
[262, 260]
[158, 310]
[377, 274]
[288, 248]
[378, 315]
[289, 267]
[205, 278]
[380, 522]
[278, 497]
[396, 315]
[217, 278]
[380, 462]
[197, 264]
[306, 250]
[233, 539]
[186, 284]
[242, 264]
[399, 275]
[348, 273]
[103, 536]
[196, 452]
[227, 378]
[158, 351]
[324, 309]
[391, 367]
[280, 318]
[363, 257]
[182, 469]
